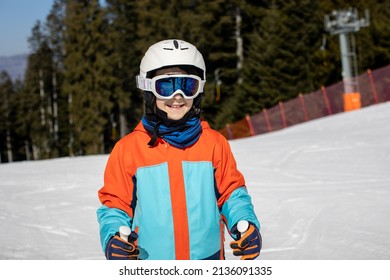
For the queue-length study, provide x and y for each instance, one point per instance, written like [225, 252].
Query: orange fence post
[229, 131]
[326, 100]
[283, 114]
[248, 120]
[374, 93]
[301, 98]
[267, 122]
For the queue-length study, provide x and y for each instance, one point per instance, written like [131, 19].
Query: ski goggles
[166, 86]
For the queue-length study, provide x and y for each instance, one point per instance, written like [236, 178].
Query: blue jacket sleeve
[239, 207]
[110, 219]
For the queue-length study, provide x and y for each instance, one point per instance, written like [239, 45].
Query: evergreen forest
[78, 94]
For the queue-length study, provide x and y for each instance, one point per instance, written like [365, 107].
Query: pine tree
[6, 91]
[234, 22]
[262, 86]
[122, 38]
[38, 89]
[373, 41]
[55, 29]
[86, 81]
[21, 124]
[216, 38]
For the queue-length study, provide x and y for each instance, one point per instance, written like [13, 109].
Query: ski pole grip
[242, 226]
[124, 232]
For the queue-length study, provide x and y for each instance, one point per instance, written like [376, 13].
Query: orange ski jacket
[177, 200]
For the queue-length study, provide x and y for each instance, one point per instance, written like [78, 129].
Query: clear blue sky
[17, 18]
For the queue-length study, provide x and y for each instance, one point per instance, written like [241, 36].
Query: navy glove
[248, 244]
[119, 249]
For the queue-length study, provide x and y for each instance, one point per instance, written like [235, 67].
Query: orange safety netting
[374, 87]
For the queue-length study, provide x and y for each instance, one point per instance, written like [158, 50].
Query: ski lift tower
[345, 23]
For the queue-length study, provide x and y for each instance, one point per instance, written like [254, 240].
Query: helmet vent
[176, 44]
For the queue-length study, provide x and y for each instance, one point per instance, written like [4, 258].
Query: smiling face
[177, 106]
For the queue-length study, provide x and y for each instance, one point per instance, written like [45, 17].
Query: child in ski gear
[174, 180]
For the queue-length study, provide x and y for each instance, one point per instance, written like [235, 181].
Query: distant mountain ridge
[14, 65]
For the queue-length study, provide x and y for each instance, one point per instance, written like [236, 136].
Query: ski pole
[124, 232]
[242, 226]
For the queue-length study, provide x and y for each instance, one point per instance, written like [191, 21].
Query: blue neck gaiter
[180, 136]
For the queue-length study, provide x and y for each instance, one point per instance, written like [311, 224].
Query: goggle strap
[144, 83]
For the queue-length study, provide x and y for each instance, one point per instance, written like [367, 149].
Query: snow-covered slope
[320, 190]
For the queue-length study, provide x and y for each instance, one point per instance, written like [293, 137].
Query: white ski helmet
[172, 52]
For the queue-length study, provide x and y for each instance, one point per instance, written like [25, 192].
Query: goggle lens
[168, 86]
